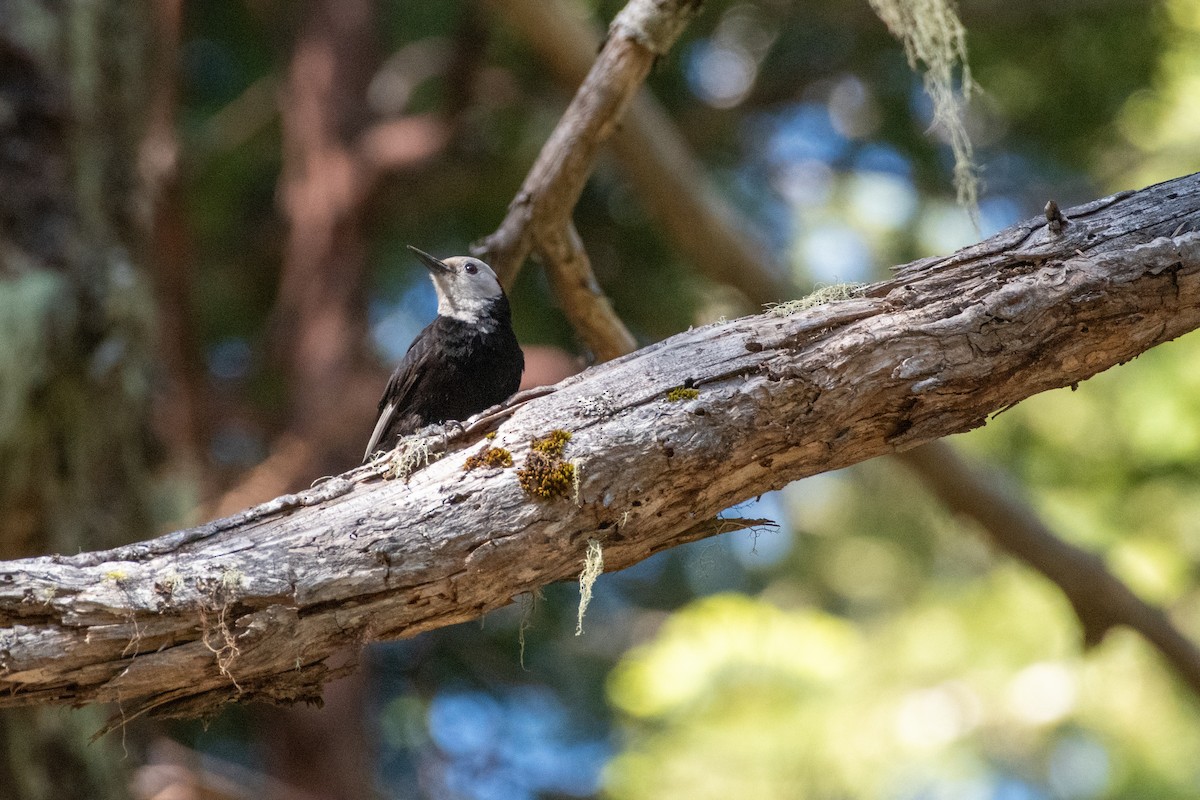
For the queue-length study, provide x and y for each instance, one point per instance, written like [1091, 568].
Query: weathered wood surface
[249, 607]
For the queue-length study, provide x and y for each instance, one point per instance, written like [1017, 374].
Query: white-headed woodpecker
[465, 361]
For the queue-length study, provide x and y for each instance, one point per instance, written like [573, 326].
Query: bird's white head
[466, 287]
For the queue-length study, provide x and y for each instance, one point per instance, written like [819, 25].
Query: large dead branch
[251, 606]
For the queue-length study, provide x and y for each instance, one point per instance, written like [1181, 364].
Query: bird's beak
[432, 264]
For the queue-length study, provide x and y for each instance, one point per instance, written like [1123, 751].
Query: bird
[465, 361]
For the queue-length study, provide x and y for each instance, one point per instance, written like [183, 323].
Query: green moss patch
[545, 475]
[489, 457]
[681, 393]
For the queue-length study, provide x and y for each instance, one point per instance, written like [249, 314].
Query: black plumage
[463, 362]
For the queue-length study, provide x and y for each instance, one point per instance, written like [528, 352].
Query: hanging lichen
[593, 566]
[935, 42]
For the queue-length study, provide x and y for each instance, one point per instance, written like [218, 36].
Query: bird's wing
[385, 418]
[398, 390]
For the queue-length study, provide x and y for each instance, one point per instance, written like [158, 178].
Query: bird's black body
[452, 370]
[463, 362]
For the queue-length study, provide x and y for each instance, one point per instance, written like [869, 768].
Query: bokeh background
[872, 646]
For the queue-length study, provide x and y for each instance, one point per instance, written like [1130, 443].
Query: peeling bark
[251, 606]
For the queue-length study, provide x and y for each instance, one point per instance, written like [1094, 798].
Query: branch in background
[181, 413]
[574, 284]
[321, 192]
[539, 219]
[656, 160]
[238, 121]
[254, 606]
[1100, 599]
[172, 770]
[396, 145]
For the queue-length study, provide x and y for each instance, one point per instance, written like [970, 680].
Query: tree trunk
[76, 320]
[320, 334]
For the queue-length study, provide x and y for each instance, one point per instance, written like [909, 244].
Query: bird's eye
[470, 268]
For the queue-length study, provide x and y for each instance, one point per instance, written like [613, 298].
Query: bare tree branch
[564, 42]
[584, 303]
[656, 159]
[183, 423]
[251, 606]
[539, 219]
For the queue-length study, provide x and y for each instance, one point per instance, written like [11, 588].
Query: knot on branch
[1055, 219]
